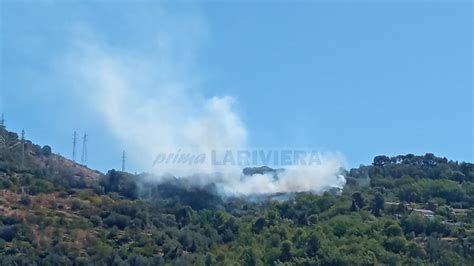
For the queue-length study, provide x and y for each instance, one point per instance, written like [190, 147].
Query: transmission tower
[74, 141]
[84, 150]
[123, 161]
[22, 148]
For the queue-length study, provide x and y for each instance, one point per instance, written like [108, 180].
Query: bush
[8, 232]
[395, 244]
[95, 220]
[46, 150]
[41, 186]
[6, 184]
[119, 220]
[25, 200]
[76, 205]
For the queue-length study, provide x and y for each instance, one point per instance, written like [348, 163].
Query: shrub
[119, 220]
[6, 184]
[25, 200]
[96, 220]
[46, 150]
[8, 232]
[76, 205]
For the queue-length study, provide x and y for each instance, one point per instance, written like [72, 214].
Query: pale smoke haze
[150, 105]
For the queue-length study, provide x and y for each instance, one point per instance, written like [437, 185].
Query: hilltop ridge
[40, 160]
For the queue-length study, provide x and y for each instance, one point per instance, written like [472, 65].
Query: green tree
[416, 250]
[258, 225]
[248, 257]
[184, 215]
[46, 150]
[414, 223]
[378, 204]
[395, 244]
[358, 201]
[393, 230]
[286, 249]
[313, 244]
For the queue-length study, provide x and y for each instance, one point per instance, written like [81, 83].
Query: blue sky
[358, 78]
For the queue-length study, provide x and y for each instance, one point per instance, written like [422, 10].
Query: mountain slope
[400, 210]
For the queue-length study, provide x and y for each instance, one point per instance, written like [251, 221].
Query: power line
[22, 148]
[74, 141]
[3, 141]
[84, 150]
[123, 161]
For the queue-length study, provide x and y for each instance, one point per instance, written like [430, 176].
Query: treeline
[426, 166]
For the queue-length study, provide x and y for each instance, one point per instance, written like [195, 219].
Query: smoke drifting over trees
[151, 113]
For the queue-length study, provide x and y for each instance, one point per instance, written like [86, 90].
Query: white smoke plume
[152, 104]
[296, 178]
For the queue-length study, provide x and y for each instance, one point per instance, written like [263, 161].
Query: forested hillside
[399, 210]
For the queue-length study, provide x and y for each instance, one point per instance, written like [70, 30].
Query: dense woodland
[406, 209]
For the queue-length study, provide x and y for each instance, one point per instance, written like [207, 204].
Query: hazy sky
[359, 78]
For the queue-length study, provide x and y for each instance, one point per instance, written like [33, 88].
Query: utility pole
[84, 150]
[2, 121]
[74, 141]
[22, 148]
[123, 161]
